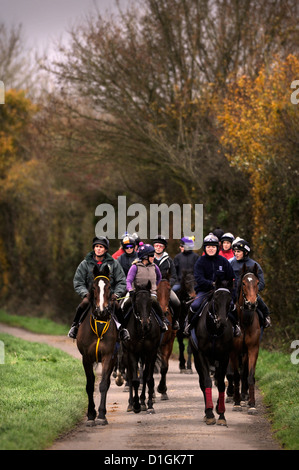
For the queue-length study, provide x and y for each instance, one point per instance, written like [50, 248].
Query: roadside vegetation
[42, 394]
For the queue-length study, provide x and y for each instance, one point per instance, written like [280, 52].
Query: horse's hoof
[229, 400]
[188, 371]
[101, 421]
[150, 411]
[252, 410]
[210, 421]
[243, 403]
[130, 408]
[164, 396]
[137, 410]
[143, 407]
[237, 408]
[90, 423]
[222, 422]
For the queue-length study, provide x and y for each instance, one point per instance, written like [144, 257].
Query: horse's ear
[105, 271]
[255, 270]
[244, 269]
[96, 270]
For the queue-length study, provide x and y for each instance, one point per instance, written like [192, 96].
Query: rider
[129, 255]
[207, 268]
[241, 250]
[226, 245]
[143, 270]
[185, 260]
[84, 277]
[167, 268]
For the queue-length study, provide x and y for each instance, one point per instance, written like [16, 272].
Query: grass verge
[278, 381]
[36, 325]
[42, 394]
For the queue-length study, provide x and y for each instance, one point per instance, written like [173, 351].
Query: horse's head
[101, 293]
[143, 305]
[187, 290]
[220, 303]
[248, 291]
[163, 294]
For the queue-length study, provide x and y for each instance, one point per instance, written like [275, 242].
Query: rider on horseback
[226, 245]
[184, 261]
[207, 268]
[84, 277]
[129, 255]
[143, 270]
[242, 249]
[167, 268]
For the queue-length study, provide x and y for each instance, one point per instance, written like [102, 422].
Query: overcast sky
[47, 20]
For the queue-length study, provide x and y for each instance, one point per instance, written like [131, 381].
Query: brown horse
[246, 346]
[96, 341]
[165, 350]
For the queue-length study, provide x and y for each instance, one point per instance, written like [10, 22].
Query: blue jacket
[208, 268]
[238, 265]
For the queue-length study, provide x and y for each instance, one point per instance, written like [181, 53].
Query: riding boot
[234, 319]
[263, 308]
[176, 308]
[188, 322]
[123, 333]
[160, 313]
[80, 315]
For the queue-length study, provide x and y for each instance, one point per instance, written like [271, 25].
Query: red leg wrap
[209, 402]
[221, 405]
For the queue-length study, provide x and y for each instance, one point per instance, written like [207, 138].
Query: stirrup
[124, 335]
[175, 325]
[267, 322]
[73, 331]
[237, 331]
[187, 331]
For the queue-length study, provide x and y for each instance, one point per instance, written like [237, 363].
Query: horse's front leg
[220, 375]
[151, 385]
[252, 359]
[107, 367]
[90, 379]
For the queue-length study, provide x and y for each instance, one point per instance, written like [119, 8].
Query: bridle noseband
[107, 311]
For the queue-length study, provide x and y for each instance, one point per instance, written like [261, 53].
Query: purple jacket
[132, 275]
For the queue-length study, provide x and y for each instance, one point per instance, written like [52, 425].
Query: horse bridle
[212, 314]
[247, 304]
[108, 310]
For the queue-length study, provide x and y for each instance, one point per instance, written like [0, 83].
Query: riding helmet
[160, 239]
[210, 240]
[100, 241]
[227, 237]
[241, 244]
[145, 251]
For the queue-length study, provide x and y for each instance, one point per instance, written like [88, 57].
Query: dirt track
[177, 424]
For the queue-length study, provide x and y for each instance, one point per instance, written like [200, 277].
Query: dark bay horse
[165, 349]
[143, 346]
[212, 340]
[96, 341]
[186, 294]
[246, 346]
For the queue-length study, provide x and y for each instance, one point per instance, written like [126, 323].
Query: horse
[186, 295]
[143, 346]
[97, 342]
[246, 346]
[168, 337]
[212, 341]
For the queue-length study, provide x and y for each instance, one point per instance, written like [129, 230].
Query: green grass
[36, 325]
[42, 394]
[278, 381]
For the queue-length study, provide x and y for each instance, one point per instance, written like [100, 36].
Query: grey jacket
[84, 275]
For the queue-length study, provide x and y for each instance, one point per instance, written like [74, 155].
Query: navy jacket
[208, 268]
